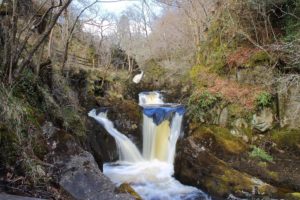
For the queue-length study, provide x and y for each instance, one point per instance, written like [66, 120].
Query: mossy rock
[73, 121]
[126, 115]
[287, 139]
[236, 111]
[219, 140]
[9, 146]
[293, 196]
[66, 144]
[197, 166]
[126, 188]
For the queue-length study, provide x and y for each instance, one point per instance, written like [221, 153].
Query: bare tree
[26, 23]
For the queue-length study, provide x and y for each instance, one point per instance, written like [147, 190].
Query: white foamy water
[152, 180]
[150, 98]
[127, 150]
[150, 173]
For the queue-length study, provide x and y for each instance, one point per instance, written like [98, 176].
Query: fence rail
[74, 59]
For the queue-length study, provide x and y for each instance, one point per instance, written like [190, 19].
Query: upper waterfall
[150, 98]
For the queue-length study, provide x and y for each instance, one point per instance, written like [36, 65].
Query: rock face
[289, 107]
[82, 179]
[263, 121]
[198, 163]
[4, 196]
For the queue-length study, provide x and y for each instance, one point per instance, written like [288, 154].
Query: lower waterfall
[150, 172]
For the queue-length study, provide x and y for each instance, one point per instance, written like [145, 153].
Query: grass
[12, 110]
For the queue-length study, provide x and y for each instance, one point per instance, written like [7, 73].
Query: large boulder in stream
[82, 179]
[203, 160]
[4, 196]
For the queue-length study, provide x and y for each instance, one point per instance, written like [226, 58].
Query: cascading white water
[127, 150]
[150, 174]
[150, 98]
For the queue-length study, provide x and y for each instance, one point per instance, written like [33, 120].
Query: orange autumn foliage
[240, 57]
[230, 90]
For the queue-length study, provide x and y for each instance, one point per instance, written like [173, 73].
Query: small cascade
[150, 172]
[127, 150]
[150, 98]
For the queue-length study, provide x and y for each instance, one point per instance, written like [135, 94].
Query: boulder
[197, 165]
[82, 179]
[4, 196]
[263, 121]
[239, 129]
[126, 188]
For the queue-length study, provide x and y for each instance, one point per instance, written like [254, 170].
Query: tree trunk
[50, 44]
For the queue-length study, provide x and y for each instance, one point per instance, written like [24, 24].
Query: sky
[117, 7]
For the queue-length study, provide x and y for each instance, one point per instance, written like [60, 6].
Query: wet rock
[82, 179]
[263, 121]
[4, 196]
[126, 188]
[101, 144]
[199, 167]
[219, 140]
[126, 115]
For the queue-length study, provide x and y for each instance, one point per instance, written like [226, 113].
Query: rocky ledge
[82, 179]
[225, 166]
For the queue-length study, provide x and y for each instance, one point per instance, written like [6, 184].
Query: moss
[262, 164]
[218, 44]
[293, 196]
[286, 139]
[224, 180]
[73, 121]
[9, 146]
[126, 188]
[231, 144]
[258, 58]
[237, 111]
[200, 103]
[222, 137]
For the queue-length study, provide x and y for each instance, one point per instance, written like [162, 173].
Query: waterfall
[150, 172]
[127, 150]
[161, 129]
[149, 98]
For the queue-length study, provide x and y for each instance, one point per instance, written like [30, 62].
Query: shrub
[199, 104]
[261, 154]
[263, 100]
